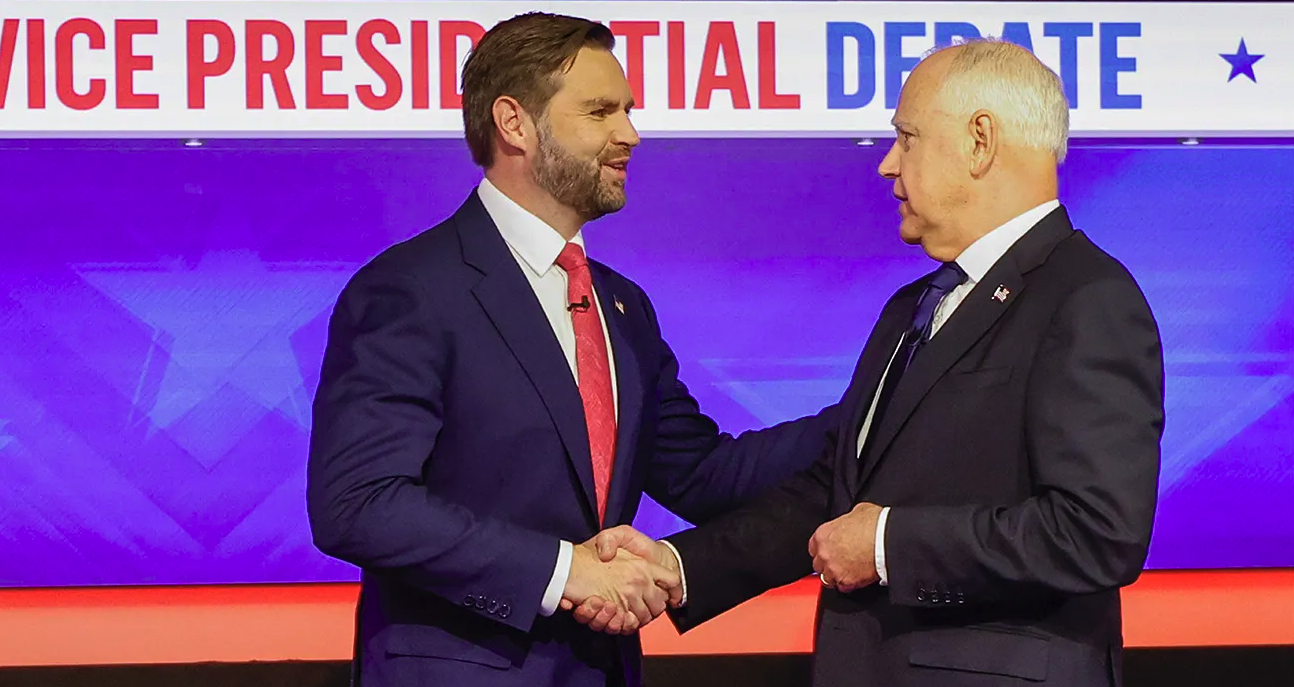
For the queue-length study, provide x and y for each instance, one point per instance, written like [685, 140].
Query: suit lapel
[511, 305]
[862, 389]
[629, 391]
[1001, 287]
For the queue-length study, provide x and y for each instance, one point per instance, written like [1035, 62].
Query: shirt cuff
[880, 546]
[557, 585]
[682, 576]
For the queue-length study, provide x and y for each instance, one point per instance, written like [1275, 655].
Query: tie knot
[572, 258]
[948, 277]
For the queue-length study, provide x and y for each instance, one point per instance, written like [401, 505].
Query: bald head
[981, 127]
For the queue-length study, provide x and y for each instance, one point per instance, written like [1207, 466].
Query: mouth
[618, 167]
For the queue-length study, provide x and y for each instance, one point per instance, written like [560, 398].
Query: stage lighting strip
[143, 625]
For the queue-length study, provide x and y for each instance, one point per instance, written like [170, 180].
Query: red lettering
[8, 44]
[769, 98]
[677, 75]
[421, 66]
[199, 68]
[63, 77]
[318, 64]
[277, 69]
[128, 63]
[722, 38]
[379, 64]
[35, 64]
[635, 33]
[450, 32]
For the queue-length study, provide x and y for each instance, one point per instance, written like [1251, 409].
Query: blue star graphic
[1242, 62]
[225, 324]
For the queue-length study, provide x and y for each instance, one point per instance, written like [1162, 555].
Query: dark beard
[573, 182]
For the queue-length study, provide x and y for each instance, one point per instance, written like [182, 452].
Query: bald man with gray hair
[992, 483]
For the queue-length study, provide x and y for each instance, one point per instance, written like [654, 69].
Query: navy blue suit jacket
[449, 456]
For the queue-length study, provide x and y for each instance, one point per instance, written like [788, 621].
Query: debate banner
[241, 68]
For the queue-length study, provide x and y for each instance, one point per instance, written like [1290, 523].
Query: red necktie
[594, 369]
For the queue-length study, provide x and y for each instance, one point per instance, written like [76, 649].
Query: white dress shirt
[535, 245]
[975, 261]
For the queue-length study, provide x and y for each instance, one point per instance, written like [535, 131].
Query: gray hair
[1008, 80]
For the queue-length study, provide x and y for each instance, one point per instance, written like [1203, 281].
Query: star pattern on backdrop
[1200, 430]
[5, 437]
[1242, 62]
[223, 328]
[776, 390]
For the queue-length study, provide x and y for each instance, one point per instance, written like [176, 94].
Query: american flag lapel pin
[620, 306]
[1001, 293]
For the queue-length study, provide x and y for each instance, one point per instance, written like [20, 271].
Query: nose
[889, 167]
[624, 133]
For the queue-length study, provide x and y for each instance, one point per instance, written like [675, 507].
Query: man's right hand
[625, 590]
[612, 544]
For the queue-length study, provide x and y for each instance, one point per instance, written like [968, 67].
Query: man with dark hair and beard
[490, 397]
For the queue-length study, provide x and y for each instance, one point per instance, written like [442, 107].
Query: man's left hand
[844, 550]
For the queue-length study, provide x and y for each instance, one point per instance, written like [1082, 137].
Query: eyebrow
[606, 104]
[900, 125]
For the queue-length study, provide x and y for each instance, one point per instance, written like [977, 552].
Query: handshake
[620, 580]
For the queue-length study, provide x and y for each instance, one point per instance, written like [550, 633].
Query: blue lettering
[1018, 32]
[896, 63]
[947, 31]
[1112, 65]
[1068, 33]
[837, 97]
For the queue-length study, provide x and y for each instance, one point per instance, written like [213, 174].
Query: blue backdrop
[163, 310]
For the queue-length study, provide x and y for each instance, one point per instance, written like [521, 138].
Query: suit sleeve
[1094, 419]
[698, 472]
[760, 546]
[377, 414]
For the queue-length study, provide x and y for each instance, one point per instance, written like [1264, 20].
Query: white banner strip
[313, 68]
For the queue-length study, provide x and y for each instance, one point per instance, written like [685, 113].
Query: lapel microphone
[582, 306]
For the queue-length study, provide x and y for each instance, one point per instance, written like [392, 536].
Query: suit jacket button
[921, 595]
[480, 602]
[494, 605]
[505, 611]
[469, 600]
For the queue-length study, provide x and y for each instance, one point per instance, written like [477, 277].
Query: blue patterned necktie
[948, 277]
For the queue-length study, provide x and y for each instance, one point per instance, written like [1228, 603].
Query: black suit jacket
[1020, 459]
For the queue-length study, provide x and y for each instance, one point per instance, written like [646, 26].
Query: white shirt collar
[979, 257]
[534, 240]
